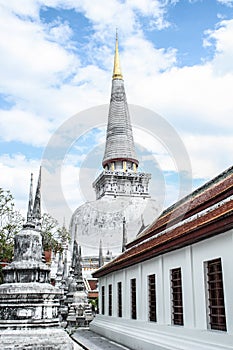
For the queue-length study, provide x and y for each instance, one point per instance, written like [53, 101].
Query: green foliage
[49, 226]
[94, 303]
[63, 235]
[11, 222]
[53, 236]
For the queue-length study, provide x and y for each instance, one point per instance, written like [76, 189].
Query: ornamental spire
[30, 202]
[78, 265]
[119, 149]
[101, 259]
[37, 203]
[117, 68]
[124, 241]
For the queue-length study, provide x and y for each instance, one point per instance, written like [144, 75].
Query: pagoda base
[35, 339]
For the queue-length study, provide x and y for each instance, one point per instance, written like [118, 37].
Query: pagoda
[120, 162]
[28, 302]
[122, 192]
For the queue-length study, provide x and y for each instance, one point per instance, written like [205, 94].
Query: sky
[56, 60]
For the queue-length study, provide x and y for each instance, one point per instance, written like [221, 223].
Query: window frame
[119, 299]
[213, 268]
[177, 308]
[110, 300]
[152, 305]
[103, 300]
[133, 295]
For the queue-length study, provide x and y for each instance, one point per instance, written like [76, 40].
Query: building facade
[172, 287]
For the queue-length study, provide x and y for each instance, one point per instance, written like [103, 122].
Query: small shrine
[75, 309]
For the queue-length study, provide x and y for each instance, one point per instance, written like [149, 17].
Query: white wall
[191, 259]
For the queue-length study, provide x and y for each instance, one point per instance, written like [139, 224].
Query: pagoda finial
[37, 203]
[65, 268]
[30, 201]
[78, 264]
[117, 68]
[101, 259]
[59, 269]
[30, 221]
[124, 240]
[76, 232]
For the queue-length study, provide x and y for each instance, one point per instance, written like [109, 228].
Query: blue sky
[56, 60]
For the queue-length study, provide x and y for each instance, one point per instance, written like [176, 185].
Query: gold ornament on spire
[117, 69]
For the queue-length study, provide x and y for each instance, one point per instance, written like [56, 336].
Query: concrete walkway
[89, 340]
[77, 346]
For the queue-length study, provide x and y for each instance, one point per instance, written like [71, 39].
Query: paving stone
[92, 341]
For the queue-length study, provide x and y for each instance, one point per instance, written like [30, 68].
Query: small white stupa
[28, 302]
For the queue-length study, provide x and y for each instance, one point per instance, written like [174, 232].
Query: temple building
[122, 192]
[172, 286]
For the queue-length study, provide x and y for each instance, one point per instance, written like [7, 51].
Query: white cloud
[221, 39]
[60, 32]
[192, 96]
[61, 193]
[47, 82]
[15, 176]
[34, 63]
[41, 75]
[29, 56]
[226, 2]
[151, 62]
[123, 15]
[216, 150]
[25, 8]
[154, 146]
[16, 125]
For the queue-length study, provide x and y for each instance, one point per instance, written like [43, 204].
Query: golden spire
[117, 69]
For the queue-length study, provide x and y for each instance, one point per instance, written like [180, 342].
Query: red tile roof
[206, 212]
[210, 193]
[93, 294]
[92, 284]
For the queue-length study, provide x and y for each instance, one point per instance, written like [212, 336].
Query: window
[152, 298]
[119, 297]
[103, 301]
[217, 317]
[177, 301]
[133, 299]
[110, 300]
